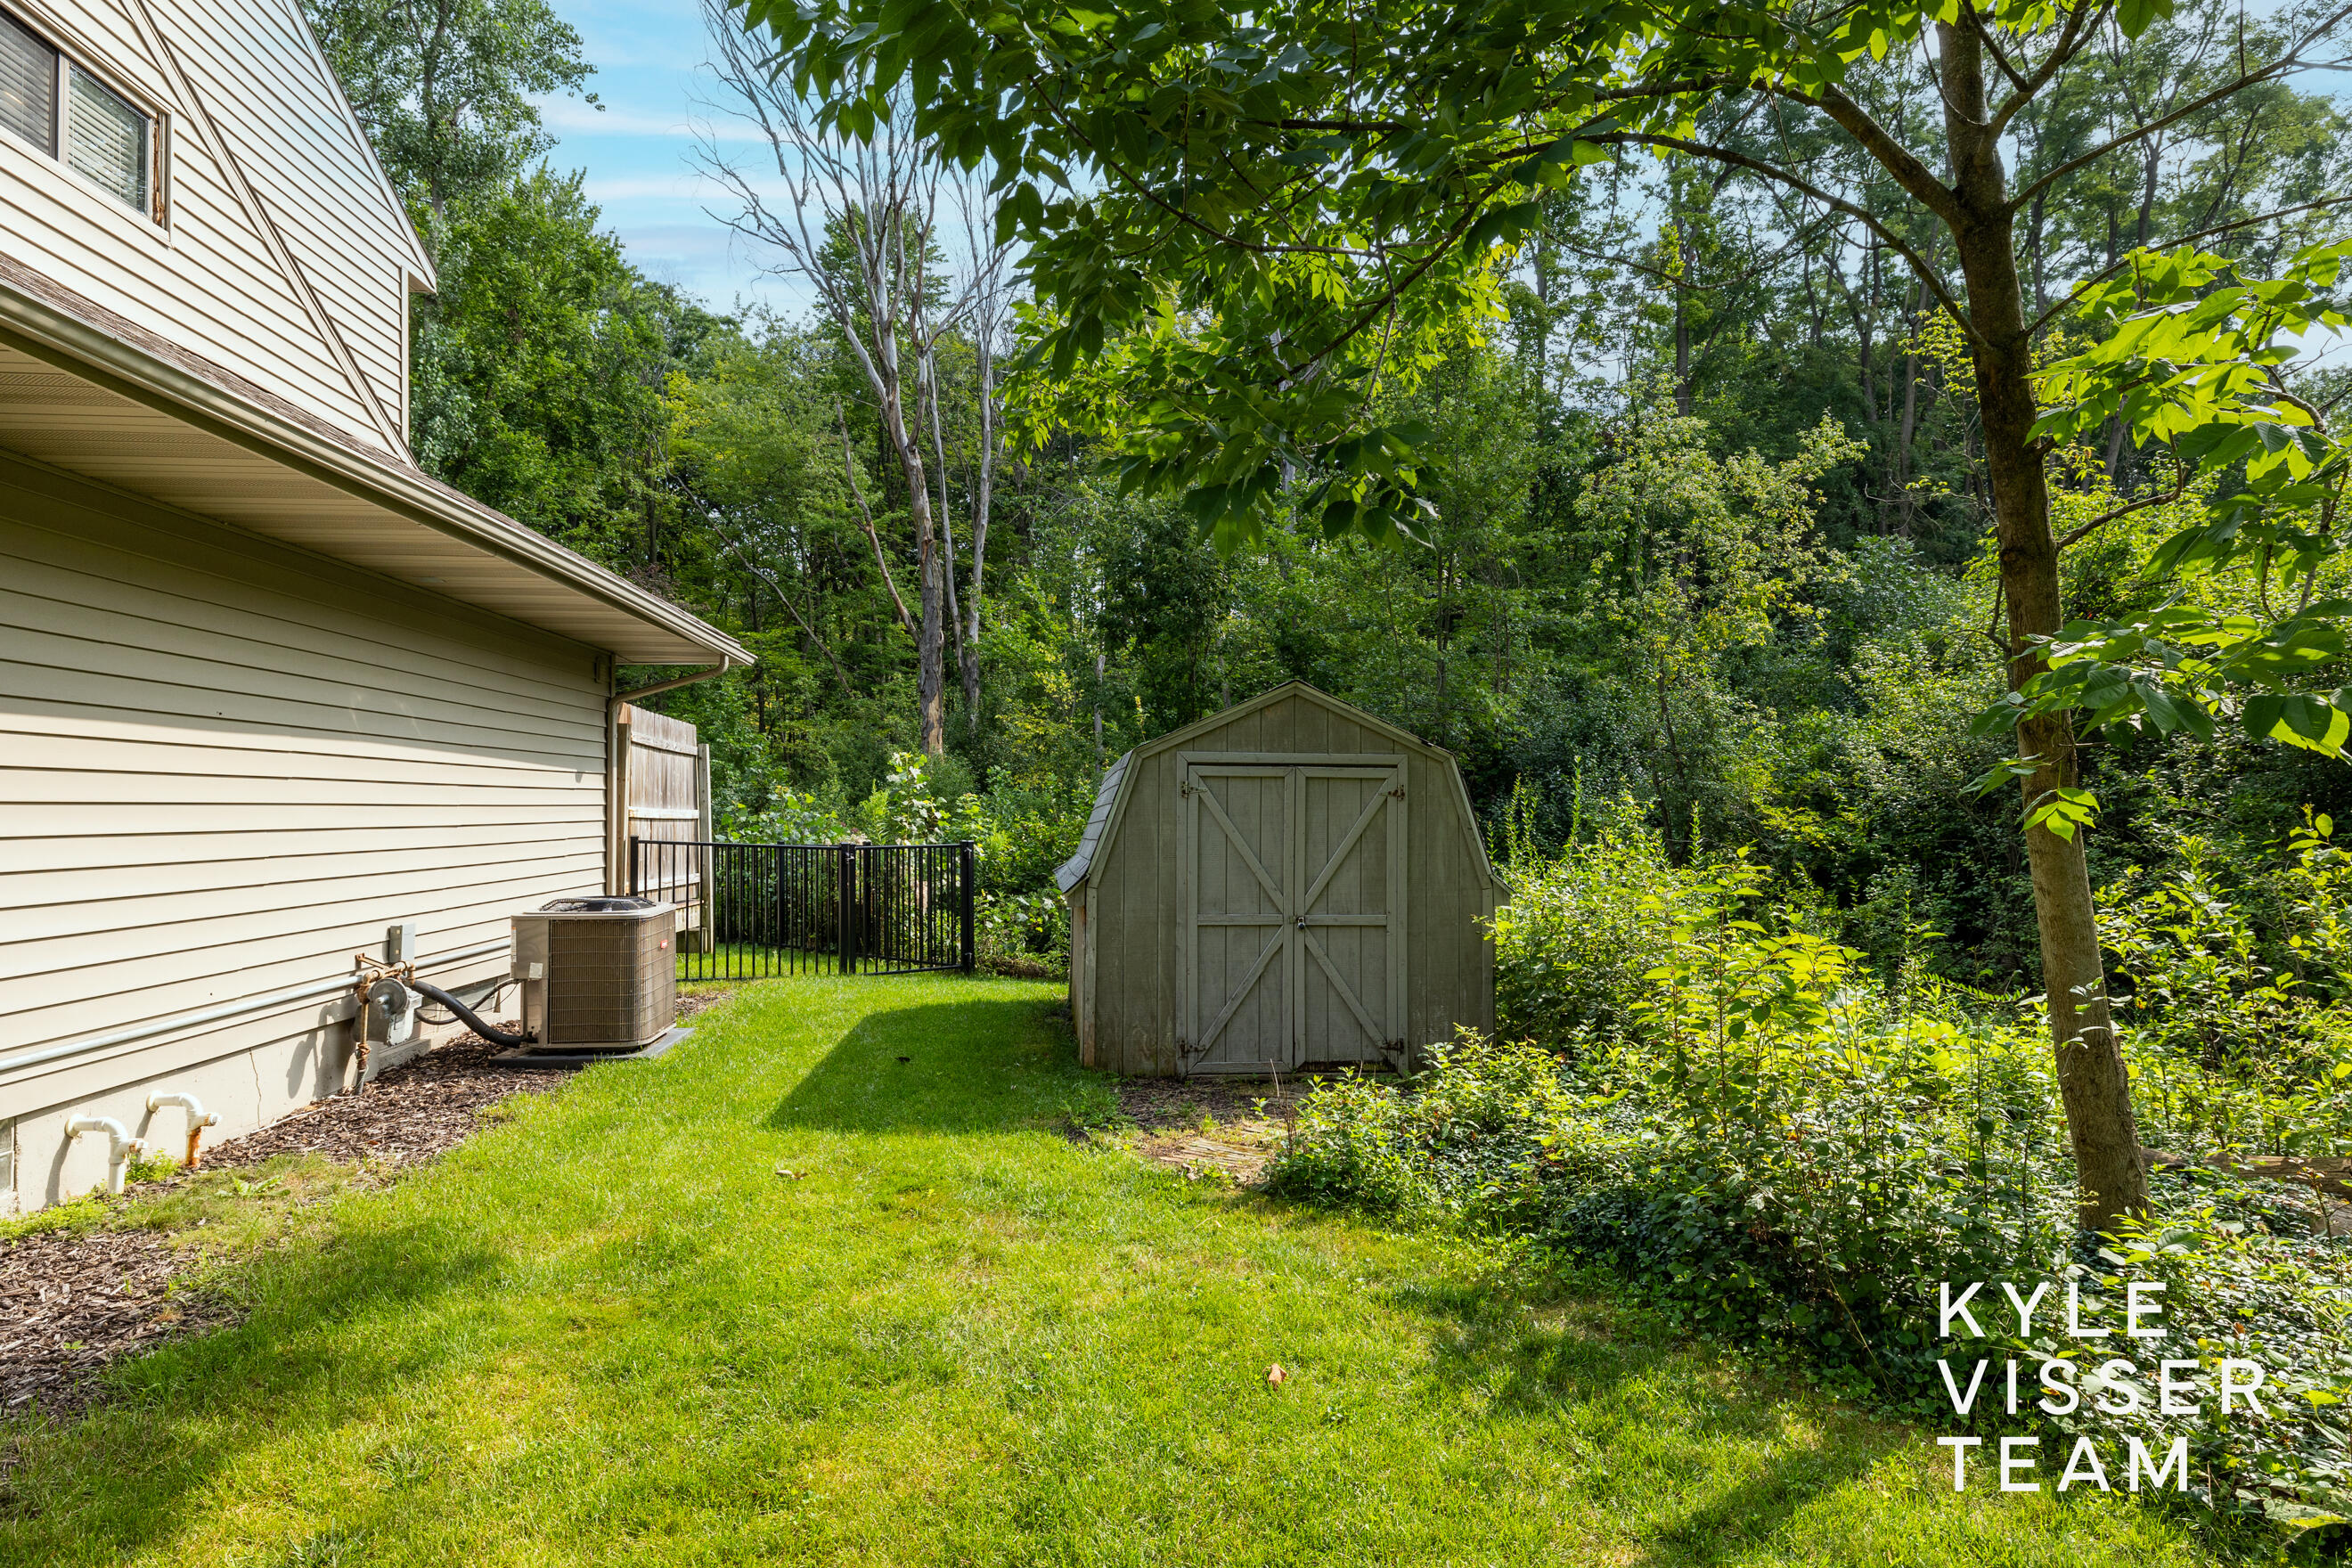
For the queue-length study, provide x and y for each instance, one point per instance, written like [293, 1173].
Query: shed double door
[1291, 912]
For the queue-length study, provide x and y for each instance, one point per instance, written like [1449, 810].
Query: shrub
[1579, 931]
[1025, 934]
[1777, 1150]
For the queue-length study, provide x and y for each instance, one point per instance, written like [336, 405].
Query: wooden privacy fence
[790, 909]
[664, 782]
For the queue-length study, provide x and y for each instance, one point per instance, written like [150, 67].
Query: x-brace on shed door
[1291, 910]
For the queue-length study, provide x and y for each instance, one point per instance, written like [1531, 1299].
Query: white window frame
[58, 154]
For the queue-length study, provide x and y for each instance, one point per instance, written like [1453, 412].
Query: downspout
[119, 1146]
[616, 803]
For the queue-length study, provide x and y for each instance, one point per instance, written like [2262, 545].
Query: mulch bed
[73, 1303]
[410, 1113]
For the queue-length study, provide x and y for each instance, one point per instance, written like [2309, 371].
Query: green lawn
[609, 1331]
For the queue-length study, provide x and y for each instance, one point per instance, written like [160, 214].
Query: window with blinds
[28, 86]
[95, 130]
[107, 139]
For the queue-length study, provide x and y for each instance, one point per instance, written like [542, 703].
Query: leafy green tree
[541, 369]
[1288, 194]
[1695, 563]
[2189, 358]
[445, 89]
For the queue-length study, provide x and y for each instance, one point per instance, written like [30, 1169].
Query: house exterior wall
[227, 765]
[281, 252]
[1129, 956]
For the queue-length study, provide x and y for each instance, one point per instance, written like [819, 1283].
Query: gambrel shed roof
[1099, 821]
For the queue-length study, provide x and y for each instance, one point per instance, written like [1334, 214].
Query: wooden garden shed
[1291, 883]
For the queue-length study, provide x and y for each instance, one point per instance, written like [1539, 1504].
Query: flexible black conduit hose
[496, 1036]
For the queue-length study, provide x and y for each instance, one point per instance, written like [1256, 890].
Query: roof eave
[47, 332]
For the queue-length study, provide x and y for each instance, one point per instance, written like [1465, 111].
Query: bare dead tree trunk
[878, 200]
[986, 322]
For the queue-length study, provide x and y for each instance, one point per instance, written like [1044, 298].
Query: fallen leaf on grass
[789, 1174]
[1275, 1375]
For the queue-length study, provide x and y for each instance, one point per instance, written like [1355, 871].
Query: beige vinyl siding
[226, 765]
[199, 286]
[235, 80]
[307, 162]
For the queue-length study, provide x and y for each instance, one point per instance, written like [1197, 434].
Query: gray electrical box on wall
[400, 942]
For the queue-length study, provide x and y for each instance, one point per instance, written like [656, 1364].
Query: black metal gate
[746, 910]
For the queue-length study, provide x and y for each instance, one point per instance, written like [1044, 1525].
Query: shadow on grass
[303, 1351]
[969, 1066]
[1482, 1339]
[1731, 1526]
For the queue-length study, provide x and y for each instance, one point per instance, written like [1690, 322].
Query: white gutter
[226, 1011]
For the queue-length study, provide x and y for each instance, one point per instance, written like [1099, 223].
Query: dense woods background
[1710, 550]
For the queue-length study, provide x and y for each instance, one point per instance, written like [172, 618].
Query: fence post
[634, 842]
[846, 940]
[966, 860]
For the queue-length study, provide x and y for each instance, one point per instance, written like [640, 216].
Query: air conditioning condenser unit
[597, 973]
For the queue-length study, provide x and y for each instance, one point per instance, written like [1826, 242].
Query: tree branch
[849, 471]
[2070, 42]
[2179, 486]
[2088, 284]
[1894, 157]
[1992, 44]
[785, 599]
[2286, 63]
[1920, 267]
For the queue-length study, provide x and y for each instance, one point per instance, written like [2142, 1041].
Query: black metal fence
[747, 911]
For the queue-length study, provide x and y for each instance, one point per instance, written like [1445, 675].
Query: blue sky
[637, 151]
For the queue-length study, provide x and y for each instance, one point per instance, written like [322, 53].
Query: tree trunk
[931, 621]
[2091, 1081]
[983, 497]
[1906, 503]
[1682, 352]
[930, 636]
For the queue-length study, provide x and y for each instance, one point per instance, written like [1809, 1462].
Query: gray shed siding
[1125, 981]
